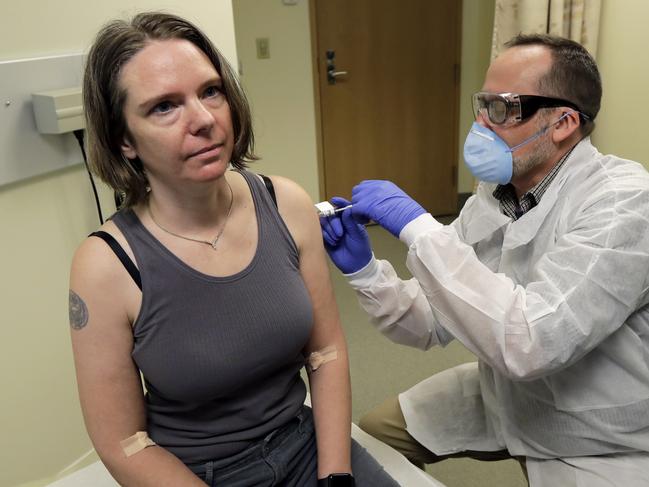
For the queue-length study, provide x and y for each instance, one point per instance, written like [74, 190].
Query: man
[544, 276]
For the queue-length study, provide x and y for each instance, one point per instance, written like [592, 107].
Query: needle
[342, 208]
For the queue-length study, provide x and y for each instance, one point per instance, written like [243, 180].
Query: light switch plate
[263, 47]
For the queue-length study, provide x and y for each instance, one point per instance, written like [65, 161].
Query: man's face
[541, 152]
[518, 70]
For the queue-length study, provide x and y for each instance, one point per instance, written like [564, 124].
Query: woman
[234, 292]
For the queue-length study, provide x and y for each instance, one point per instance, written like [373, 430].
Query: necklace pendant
[212, 243]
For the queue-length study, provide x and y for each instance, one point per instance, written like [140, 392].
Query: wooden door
[394, 115]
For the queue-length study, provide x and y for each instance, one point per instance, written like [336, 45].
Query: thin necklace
[212, 243]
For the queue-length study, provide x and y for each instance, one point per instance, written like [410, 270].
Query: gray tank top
[220, 356]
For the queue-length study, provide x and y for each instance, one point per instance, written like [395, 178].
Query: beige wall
[622, 121]
[42, 220]
[280, 88]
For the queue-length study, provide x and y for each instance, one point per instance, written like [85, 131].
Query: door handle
[332, 75]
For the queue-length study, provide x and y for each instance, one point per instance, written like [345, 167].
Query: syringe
[326, 209]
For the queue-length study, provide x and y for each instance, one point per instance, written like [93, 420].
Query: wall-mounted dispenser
[25, 151]
[58, 111]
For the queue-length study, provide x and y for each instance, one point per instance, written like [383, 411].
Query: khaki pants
[386, 423]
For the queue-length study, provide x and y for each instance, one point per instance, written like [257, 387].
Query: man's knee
[368, 423]
[384, 421]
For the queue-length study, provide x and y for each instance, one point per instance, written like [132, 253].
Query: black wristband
[337, 480]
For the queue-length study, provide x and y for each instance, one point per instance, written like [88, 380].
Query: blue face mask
[488, 157]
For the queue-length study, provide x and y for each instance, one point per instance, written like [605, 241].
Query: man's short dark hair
[573, 76]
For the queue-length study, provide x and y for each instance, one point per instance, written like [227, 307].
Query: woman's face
[178, 118]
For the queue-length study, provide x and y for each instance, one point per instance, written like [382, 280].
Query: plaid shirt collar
[509, 203]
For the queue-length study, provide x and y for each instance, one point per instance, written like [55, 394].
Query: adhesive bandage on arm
[138, 442]
[319, 357]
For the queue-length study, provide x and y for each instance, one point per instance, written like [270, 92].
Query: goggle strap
[538, 134]
[529, 139]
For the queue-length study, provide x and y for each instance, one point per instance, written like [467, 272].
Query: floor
[380, 368]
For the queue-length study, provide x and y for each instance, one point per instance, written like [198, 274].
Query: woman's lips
[207, 152]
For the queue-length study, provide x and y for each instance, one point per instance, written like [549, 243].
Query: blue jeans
[287, 457]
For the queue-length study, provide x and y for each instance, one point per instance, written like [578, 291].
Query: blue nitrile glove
[346, 240]
[386, 204]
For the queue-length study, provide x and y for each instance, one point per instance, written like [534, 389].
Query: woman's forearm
[331, 402]
[154, 466]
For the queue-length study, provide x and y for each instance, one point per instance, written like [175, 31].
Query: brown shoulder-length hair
[103, 98]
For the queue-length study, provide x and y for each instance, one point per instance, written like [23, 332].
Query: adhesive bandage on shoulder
[319, 357]
[138, 442]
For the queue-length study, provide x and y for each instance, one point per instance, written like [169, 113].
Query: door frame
[315, 70]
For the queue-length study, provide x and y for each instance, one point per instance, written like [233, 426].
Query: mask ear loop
[538, 134]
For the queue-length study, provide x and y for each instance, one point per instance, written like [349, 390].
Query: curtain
[574, 19]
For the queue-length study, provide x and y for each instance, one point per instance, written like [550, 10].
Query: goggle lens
[497, 111]
[490, 106]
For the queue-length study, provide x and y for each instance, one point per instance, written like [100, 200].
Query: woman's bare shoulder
[96, 272]
[94, 258]
[291, 197]
[297, 209]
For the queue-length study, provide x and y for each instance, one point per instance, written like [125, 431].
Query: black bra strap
[121, 255]
[270, 188]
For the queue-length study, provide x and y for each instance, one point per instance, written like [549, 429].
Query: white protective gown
[554, 305]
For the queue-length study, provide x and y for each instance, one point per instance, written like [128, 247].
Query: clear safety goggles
[510, 108]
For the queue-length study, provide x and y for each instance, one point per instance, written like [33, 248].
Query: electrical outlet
[263, 47]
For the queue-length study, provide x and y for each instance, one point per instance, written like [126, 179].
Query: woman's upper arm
[109, 383]
[299, 214]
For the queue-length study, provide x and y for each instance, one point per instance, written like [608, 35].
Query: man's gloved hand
[386, 204]
[346, 241]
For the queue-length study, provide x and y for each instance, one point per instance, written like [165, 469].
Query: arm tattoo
[78, 311]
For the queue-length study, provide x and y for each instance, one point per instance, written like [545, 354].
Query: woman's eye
[162, 107]
[212, 91]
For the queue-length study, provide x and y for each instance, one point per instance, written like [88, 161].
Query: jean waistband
[259, 447]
